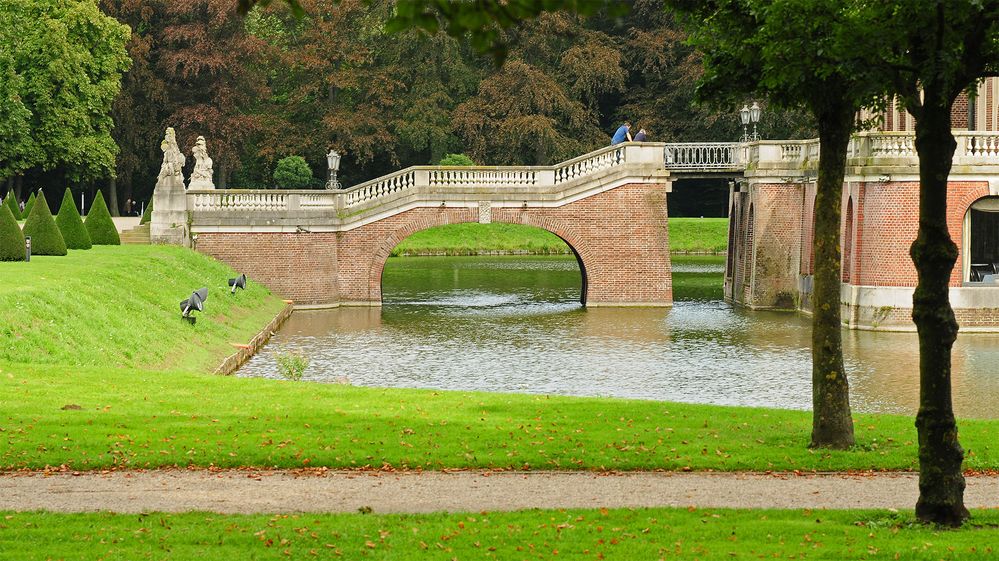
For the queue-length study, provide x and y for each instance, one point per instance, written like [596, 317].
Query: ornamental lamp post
[754, 116]
[744, 117]
[333, 162]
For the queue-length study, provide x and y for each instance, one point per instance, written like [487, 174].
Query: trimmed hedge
[147, 214]
[71, 225]
[11, 238]
[456, 160]
[28, 205]
[11, 203]
[99, 224]
[46, 239]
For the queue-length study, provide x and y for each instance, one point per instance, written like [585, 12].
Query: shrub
[71, 225]
[292, 173]
[46, 239]
[99, 224]
[11, 238]
[28, 205]
[456, 160]
[292, 365]
[147, 214]
[11, 203]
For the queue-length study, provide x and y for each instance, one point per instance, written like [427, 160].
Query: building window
[981, 227]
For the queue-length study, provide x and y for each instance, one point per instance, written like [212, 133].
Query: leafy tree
[292, 172]
[940, 49]
[456, 160]
[11, 238]
[99, 224]
[10, 201]
[71, 225]
[46, 239]
[16, 144]
[65, 59]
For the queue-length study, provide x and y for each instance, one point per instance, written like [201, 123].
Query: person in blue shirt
[621, 134]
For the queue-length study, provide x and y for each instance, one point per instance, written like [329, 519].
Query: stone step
[136, 236]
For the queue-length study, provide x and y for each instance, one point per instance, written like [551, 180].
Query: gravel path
[336, 491]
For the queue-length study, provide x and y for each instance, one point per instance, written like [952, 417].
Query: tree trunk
[941, 482]
[832, 424]
[223, 176]
[19, 186]
[113, 197]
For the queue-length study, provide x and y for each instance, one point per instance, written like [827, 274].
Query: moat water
[514, 324]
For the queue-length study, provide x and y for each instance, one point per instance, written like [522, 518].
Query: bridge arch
[572, 238]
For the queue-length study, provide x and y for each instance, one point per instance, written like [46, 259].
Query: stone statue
[173, 158]
[201, 177]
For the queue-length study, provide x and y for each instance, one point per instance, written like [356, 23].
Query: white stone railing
[982, 145]
[436, 179]
[590, 163]
[706, 156]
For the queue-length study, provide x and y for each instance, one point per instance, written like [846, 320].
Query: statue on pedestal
[173, 158]
[201, 177]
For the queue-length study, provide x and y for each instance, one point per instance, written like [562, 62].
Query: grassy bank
[118, 306]
[131, 418]
[687, 235]
[619, 534]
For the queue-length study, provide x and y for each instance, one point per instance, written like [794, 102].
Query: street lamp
[333, 162]
[754, 116]
[749, 115]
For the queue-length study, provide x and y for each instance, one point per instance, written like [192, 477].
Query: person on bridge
[621, 134]
[640, 137]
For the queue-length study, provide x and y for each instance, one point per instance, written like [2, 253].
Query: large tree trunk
[832, 425]
[113, 197]
[223, 176]
[19, 186]
[941, 482]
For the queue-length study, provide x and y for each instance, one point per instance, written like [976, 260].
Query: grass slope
[151, 419]
[118, 306]
[619, 534]
[687, 235]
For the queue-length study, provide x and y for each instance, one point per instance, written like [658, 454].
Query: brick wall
[621, 236]
[776, 244]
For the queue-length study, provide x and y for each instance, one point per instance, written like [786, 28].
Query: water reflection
[514, 324]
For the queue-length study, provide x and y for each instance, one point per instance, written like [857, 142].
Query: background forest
[271, 85]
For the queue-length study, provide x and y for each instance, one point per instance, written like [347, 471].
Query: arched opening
[981, 242]
[747, 266]
[484, 265]
[848, 242]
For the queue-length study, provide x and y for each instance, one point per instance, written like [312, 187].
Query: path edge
[233, 362]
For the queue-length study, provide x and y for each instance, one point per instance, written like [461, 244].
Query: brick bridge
[326, 248]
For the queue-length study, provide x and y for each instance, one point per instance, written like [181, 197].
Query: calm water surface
[514, 324]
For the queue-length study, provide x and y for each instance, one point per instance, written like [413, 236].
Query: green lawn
[693, 235]
[619, 534]
[144, 419]
[118, 306]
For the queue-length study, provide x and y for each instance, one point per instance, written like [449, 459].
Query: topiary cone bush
[28, 205]
[99, 224]
[46, 239]
[71, 225]
[11, 238]
[11, 203]
[147, 214]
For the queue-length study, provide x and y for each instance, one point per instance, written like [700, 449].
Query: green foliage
[147, 213]
[456, 160]
[46, 239]
[61, 70]
[292, 172]
[292, 365]
[11, 238]
[99, 224]
[28, 205]
[10, 201]
[71, 225]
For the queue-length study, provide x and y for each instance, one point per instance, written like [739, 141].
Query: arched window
[981, 241]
